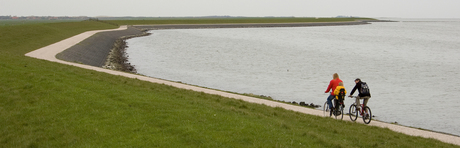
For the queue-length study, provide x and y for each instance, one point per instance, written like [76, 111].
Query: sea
[412, 66]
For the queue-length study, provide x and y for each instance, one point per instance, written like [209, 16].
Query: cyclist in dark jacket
[361, 95]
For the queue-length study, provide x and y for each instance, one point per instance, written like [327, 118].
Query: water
[411, 67]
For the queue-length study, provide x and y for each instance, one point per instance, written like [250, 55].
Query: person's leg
[358, 105]
[365, 104]
[336, 103]
[329, 101]
[335, 106]
[365, 100]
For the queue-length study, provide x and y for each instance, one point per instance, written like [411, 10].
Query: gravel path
[49, 53]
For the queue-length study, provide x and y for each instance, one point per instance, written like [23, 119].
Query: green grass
[46, 104]
[10, 22]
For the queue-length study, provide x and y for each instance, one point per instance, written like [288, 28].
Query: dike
[98, 49]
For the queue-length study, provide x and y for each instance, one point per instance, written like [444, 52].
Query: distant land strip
[252, 25]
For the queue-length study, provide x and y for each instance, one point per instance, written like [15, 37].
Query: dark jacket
[358, 86]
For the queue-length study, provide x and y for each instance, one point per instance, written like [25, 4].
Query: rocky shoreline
[107, 49]
[117, 58]
[104, 49]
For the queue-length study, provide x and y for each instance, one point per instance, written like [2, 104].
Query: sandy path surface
[49, 53]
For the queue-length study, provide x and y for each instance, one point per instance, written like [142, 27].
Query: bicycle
[338, 110]
[364, 111]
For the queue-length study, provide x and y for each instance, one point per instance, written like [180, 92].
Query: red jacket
[332, 85]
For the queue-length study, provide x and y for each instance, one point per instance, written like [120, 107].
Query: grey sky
[298, 8]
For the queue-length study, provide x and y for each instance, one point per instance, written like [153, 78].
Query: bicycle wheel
[326, 109]
[352, 112]
[367, 115]
[339, 113]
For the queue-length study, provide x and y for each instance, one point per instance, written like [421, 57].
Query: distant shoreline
[107, 49]
[254, 25]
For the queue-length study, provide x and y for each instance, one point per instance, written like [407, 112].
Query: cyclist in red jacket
[332, 85]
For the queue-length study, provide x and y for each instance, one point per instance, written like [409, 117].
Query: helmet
[357, 79]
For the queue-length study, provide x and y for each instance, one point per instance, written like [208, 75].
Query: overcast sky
[259, 8]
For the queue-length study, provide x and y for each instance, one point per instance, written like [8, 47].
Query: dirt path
[49, 53]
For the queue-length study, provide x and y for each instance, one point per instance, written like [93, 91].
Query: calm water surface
[412, 67]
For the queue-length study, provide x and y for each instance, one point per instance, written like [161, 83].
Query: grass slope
[46, 104]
